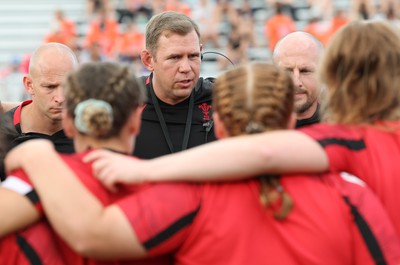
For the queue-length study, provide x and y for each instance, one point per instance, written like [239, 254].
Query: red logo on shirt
[206, 111]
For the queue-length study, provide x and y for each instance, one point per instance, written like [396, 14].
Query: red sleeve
[340, 146]
[19, 182]
[374, 234]
[161, 215]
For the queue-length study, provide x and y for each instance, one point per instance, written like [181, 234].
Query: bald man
[41, 116]
[299, 53]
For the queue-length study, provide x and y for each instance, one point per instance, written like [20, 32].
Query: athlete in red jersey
[361, 135]
[226, 223]
[95, 124]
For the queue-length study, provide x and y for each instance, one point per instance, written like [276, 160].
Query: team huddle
[105, 167]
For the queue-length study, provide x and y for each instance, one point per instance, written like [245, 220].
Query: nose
[59, 97]
[296, 78]
[184, 65]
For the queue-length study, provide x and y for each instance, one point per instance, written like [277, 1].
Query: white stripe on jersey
[352, 179]
[16, 184]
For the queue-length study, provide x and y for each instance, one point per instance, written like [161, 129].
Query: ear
[147, 60]
[68, 124]
[28, 84]
[219, 127]
[292, 121]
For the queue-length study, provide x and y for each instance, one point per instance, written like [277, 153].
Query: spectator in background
[236, 49]
[278, 26]
[225, 12]
[362, 9]
[92, 53]
[246, 25]
[322, 9]
[63, 31]
[339, 19]
[95, 7]
[130, 44]
[104, 31]
[204, 15]
[131, 9]
[286, 7]
[317, 28]
[178, 6]
[11, 86]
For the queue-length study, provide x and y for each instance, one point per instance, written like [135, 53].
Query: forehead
[306, 57]
[51, 73]
[179, 44]
[298, 50]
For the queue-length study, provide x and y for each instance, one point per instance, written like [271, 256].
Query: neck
[308, 113]
[82, 143]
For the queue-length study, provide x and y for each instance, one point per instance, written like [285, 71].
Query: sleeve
[374, 231]
[162, 215]
[340, 147]
[20, 183]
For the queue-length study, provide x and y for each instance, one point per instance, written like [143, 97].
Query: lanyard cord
[164, 125]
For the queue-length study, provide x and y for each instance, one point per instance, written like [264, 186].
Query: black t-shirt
[151, 142]
[62, 143]
[315, 118]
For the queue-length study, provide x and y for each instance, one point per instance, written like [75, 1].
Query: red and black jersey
[35, 245]
[332, 222]
[151, 141]
[370, 152]
[62, 143]
[19, 182]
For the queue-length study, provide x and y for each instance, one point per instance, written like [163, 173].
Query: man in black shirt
[41, 116]
[178, 111]
[299, 53]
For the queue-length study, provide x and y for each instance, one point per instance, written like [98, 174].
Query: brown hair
[361, 69]
[255, 98]
[112, 83]
[165, 23]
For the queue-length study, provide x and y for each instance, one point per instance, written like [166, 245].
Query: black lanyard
[164, 125]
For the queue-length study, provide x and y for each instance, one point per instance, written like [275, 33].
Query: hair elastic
[83, 106]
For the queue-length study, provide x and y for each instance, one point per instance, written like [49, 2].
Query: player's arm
[286, 151]
[76, 215]
[16, 210]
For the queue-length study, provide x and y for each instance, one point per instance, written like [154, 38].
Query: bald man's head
[299, 54]
[51, 53]
[48, 68]
[297, 40]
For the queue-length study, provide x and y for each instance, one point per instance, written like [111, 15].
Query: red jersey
[368, 152]
[41, 240]
[226, 224]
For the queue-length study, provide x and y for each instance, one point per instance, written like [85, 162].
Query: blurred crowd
[113, 29]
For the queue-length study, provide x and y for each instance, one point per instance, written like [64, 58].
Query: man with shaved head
[41, 116]
[299, 53]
